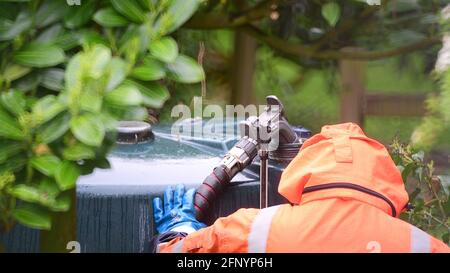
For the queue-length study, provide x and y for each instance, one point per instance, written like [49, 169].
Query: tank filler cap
[134, 132]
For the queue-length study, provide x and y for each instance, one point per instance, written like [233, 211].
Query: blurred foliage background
[69, 72]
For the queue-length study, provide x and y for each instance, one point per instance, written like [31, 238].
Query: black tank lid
[134, 132]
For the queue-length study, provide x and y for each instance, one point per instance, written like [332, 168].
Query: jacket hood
[342, 162]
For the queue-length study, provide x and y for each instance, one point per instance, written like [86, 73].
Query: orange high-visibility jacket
[346, 195]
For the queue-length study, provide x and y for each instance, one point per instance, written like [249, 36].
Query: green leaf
[50, 34]
[33, 216]
[108, 17]
[46, 164]
[145, 32]
[117, 73]
[89, 37]
[13, 164]
[124, 95]
[406, 171]
[146, 4]
[331, 12]
[39, 55]
[53, 79]
[68, 40]
[49, 187]
[131, 49]
[54, 129]
[48, 195]
[10, 30]
[6, 179]
[73, 72]
[445, 183]
[47, 108]
[179, 12]
[130, 33]
[91, 102]
[88, 129]
[10, 128]
[154, 95]
[185, 70]
[151, 70]
[28, 82]
[78, 152]
[102, 163]
[79, 15]
[26, 193]
[66, 175]
[14, 101]
[129, 9]
[50, 11]
[9, 148]
[164, 49]
[99, 58]
[13, 72]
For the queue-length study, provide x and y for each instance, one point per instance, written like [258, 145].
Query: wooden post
[243, 69]
[353, 77]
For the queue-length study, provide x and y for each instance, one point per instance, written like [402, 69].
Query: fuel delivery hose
[239, 157]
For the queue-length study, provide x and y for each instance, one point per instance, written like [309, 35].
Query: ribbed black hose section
[210, 190]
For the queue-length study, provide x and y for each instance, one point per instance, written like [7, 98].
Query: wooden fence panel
[394, 105]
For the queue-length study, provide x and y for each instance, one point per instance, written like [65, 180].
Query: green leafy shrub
[428, 193]
[67, 75]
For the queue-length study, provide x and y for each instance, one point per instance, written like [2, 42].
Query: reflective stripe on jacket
[346, 195]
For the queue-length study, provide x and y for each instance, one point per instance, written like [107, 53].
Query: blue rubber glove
[178, 213]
